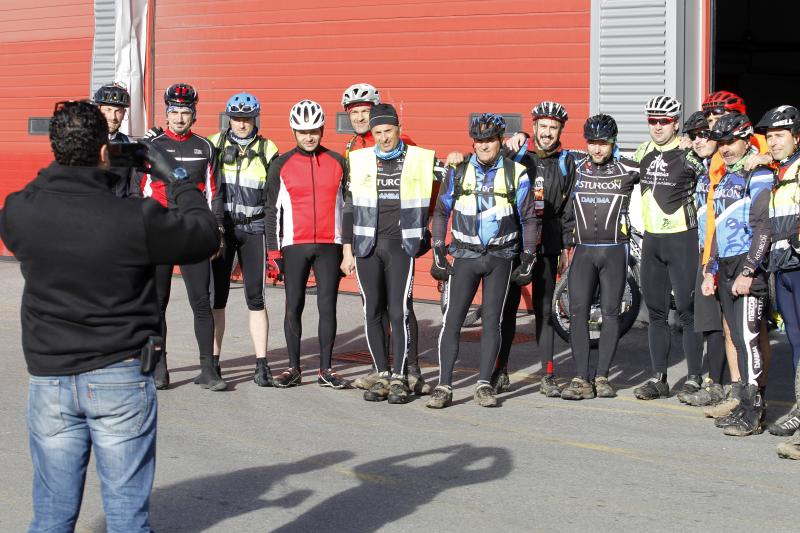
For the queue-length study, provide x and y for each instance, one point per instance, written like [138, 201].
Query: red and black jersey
[305, 198]
[197, 155]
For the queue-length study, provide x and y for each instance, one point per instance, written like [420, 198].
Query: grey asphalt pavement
[310, 459]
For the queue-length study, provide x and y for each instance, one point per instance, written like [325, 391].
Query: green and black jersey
[668, 178]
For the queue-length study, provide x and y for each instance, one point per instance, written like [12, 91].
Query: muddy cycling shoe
[751, 415]
[656, 387]
[549, 386]
[728, 405]
[578, 389]
[730, 418]
[484, 395]
[415, 381]
[263, 375]
[787, 425]
[790, 449]
[365, 382]
[289, 378]
[379, 390]
[441, 397]
[500, 381]
[209, 377]
[329, 378]
[692, 385]
[215, 362]
[399, 392]
[602, 388]
[709, 394]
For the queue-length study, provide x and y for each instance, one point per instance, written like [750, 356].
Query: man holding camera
[90, 310]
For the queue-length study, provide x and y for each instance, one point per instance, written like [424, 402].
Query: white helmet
[663, 106]
[306, 115]
[361, 92]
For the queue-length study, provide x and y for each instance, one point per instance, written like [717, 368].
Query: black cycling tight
[544, 284]
[669, 262]
[593, 266]
[386, 280]
[298, 259]
[250, 249]
[197, 278]
[495, 272]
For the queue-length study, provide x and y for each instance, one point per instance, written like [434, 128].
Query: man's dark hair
[77, 132]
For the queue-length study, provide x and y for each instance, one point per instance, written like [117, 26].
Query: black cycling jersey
[668, 178]
[556, 173]
[598, 208]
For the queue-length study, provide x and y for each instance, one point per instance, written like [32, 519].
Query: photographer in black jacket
[89, 308]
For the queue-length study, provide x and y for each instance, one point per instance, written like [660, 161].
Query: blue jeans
[112, 410]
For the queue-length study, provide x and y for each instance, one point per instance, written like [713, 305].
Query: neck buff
[394, 154]
[242, 141]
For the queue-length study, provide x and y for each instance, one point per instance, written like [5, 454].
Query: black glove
[441, 268]
[523, 274]
[153, 132]
[161, 165]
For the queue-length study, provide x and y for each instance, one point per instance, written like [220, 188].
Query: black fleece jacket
[88, 259]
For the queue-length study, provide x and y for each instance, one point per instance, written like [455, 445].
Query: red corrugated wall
[46, 56]
[435, 61]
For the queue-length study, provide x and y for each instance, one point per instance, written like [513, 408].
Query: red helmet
[723, 101]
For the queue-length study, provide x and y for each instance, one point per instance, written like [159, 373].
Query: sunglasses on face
[660, 121]
[703, 134]
[716, 111]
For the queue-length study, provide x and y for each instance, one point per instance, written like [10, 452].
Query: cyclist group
[721, 213]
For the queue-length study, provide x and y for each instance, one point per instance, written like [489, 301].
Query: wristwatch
[748, 272]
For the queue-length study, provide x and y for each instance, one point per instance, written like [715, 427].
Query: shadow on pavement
[198, 504]
[395, 487]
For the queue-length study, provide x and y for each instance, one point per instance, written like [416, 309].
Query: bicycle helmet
[600, 128]
[113, 93]
[243, 105]
[360, 93]
[784, 117]
[696, 121]
[487, 126]
[181, 95]
[663, 106]
[732, 126]
[723, 101]
[306, 115]
[549, 109]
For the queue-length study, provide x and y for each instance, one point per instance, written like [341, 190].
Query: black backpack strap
[262, 143]
[511, 189]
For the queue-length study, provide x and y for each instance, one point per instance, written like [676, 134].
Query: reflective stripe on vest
[465, 210]
[416, 183]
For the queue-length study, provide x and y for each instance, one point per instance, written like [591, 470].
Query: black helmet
[600, 128]
[696, 121]
[784, 117]
[180, 95]
[113, 93]
[486, 126]
[732, 126]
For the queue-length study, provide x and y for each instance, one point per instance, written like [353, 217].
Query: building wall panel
[46, 51]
